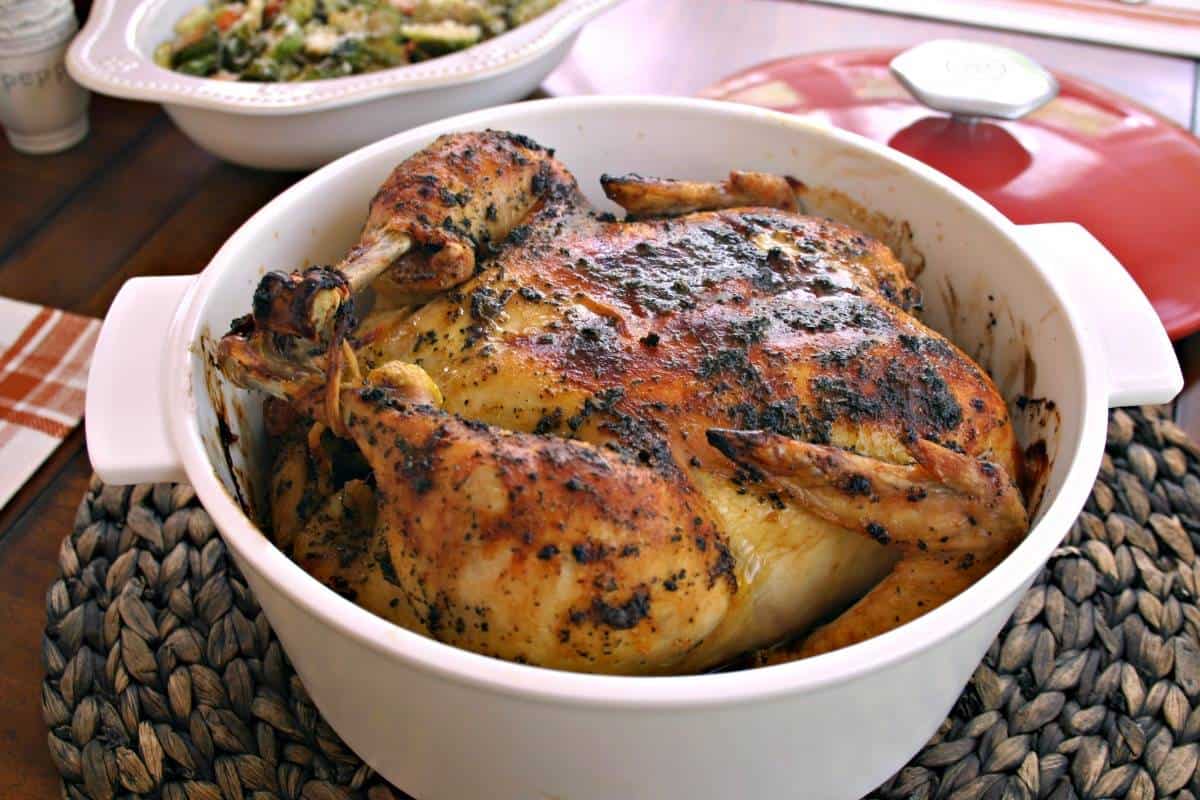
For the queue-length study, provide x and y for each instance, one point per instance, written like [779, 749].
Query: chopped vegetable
[162, 55]
[228, 16]
[385, 21]
[353, 20]
[320, 41]
[521, 11]
[488, 15]
[445, 36]
[196, 20]
[236, 54]
[300, 10]
[388, 51]
[354, 53]
[261, 69]
[298, 40]
[251, 21]
[288, 47]
[204, 65]
[204, 45]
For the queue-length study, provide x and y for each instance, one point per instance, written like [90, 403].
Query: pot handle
[1141, 363]
[126, 413]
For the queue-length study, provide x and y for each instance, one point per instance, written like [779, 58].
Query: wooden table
[137, 198]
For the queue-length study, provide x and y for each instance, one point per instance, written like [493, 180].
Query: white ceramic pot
[305, 125]
[1066, 323]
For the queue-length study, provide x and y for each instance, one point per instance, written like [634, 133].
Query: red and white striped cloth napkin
[44, 357]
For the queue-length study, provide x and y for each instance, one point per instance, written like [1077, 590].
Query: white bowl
[305, 125]
[446, 723]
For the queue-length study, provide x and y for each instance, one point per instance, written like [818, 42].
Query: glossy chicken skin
[647, 447]
[427, 226]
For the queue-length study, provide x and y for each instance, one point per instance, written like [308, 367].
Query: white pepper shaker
[42, 109]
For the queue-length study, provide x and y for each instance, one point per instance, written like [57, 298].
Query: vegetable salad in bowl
[298, 40]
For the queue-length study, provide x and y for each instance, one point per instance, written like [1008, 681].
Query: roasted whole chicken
[650, 446]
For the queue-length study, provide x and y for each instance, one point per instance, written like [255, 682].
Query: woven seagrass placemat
[164, 679]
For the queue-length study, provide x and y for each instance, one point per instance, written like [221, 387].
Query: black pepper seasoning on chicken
[642, 446]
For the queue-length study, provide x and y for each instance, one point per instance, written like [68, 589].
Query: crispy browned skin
[541, 549]
[749, 377]
[339, 547]
[456, 200]
[643, 197]
[437, 214]
[292, 487]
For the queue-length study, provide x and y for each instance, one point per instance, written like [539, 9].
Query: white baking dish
[305, 125]
[1066, 324]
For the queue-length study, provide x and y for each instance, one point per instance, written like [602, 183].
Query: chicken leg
[950, 516]
[524, 547]
[460, 196]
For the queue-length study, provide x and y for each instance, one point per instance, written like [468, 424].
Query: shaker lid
[1038, 146]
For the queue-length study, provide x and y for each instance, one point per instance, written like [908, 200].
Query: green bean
[352, 52]
[236, 54]
[442, 36]
[288, 46]
[387, 51]
[202, 66]
[262, 69]
[204, 46]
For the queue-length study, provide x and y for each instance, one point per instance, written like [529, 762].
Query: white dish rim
[624, 692]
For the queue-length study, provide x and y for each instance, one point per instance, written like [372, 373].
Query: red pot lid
[1089, 156]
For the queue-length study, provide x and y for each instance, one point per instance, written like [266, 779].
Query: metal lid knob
[969, 79]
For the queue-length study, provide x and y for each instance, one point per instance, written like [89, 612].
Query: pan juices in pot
[638, 447]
